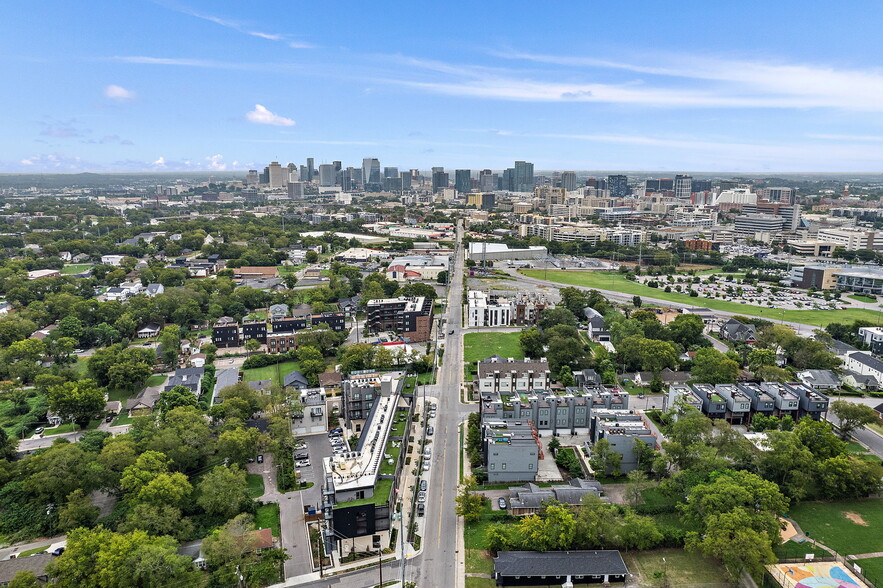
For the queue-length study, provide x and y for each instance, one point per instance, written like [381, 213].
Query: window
[504, 466]
[530, 466]
[493, 466]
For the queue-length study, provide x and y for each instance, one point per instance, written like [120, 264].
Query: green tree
[173, 398]
[469, 504]
[79, 401]
[98, 557]
[713, 367]
[819, 438]
[686, 330]
[238, 444]
[157, 519]
[223, 491]
[636, 301]
[852, 416]
[532, 343]
[77, 512]
[639, 532]
[442, 277]
[170, 344]
[52, 475]
[759, 358]
[252, 345]
[549, 317]
[311, 257]
[730, 538]
[25, 579]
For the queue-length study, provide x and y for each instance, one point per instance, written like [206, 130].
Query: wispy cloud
[235, 25]
[262, 116]
[62, 129]
[673, 81]
[118, 93]
[871, 138]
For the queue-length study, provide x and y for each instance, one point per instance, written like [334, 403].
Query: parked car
[502, 502]
[430, 431]
[423, 484]
[57, 551]
[260, 458]
[108, 418]
[421, 509]
[426, 466]
[301, 456]
[451, 332]
[303, 463]
[39, 430]
[421, 496]
[337, 430]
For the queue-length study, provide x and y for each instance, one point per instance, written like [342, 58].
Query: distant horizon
[537, 172]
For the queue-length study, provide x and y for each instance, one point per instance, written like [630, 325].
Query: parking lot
[318, 447]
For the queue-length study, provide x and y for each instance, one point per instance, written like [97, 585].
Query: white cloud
[260, 115]
[161, 162]
[268, 36]
[216, 162]
[301, 45]
[119, 93]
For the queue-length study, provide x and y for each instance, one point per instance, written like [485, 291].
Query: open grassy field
[862, 298]
[479, 561]
[616, 282]
[75, 268]
[872, 569]
[849, 526]
[268, 516]
[270, 372]
[682, 567]
[478, 346]
[255, 485]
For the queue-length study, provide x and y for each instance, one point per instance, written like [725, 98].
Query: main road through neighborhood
[441, 562]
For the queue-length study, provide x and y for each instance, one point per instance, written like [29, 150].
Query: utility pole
[380, 564]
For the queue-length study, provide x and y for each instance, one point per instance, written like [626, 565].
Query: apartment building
[488, 310]
[498, 374]
[511, 452]
[622, 429]
[410, 317]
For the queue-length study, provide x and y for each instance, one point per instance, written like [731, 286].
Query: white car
[303, 463]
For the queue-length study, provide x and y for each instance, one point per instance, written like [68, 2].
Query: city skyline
[199, 86]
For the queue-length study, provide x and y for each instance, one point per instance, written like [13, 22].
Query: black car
[451, 332]
[260, 458]
[421, 509]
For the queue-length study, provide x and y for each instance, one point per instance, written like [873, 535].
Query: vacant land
[268, 516]
[255, 485]
[75, 268]
[616, 282]
[682, 567]
[849, 526]
[478, 346]
[271, 372]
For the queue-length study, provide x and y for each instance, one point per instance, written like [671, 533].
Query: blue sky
[680, 86]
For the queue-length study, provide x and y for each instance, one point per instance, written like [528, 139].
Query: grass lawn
[478, 346]
[426, 378]
[270, 372]
[827, 522]
[268, 516]
[794, 550]
[474, 534]
[479, 562]
[33, 551]
[872, 569]
[255, 485]
[15, 424]
[81, 366]
[682, 567]
[617, 283]
[393, 451]
[122, 419]
[472, 582]
[156, 380]
[75, 268]
[64, 428]
[382, 490]
[862, 298]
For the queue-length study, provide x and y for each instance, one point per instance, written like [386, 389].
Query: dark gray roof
[559, 563]
[34, 563]
[295, 379]
[868, 360]
[260, 384]
[840, 347]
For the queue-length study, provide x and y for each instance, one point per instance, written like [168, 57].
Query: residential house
[738, 403]
[295, 379]
[225, 332]
[622, 430]
[812, 402]
[596, 325]
[498, 374]
[737, 332]
[761, 401]
[819, 379]
[529, 499]
[520, 568]
[154, 290]
[190, 378]
[143, 403]
[149, 330]
[864, 363]
[36, 564]
[114, 260]
[859, 381]
[330, 381]
[787, 401]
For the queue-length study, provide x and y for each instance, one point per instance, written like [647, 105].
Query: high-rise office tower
[392, 184]
[618, 185]
[463, 180]
[303, 173]
[390, 172]
[276, 177]
[440, 179]
[416, 178]
[487, 182]
[406, 180]
[348, 180]
[291, 174]
[785, 195]
[683, 187]
[327, 175]
[524, 179]
[507, 181]
[265, 176]
[253, 178]
[701, 185]
[296, 190]
[371, 179]
[311, 169]
[337, 166]
[568, 181]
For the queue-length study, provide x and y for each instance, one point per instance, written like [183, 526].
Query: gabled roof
[295, 379]
[868, 360]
